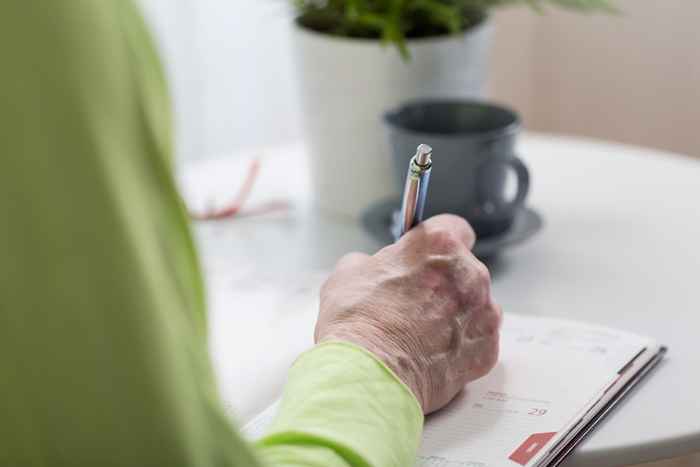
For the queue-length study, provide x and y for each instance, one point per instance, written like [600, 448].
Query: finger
[443, 226]
[492, 320]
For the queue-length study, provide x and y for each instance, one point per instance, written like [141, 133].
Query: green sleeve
[350, 407]
[103, 356]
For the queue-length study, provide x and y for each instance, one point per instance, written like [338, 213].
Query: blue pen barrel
[416, 189]
[423, 182]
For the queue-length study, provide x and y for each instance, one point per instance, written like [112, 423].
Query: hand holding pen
[422, 305]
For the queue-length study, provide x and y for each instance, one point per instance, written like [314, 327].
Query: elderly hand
[422, 305]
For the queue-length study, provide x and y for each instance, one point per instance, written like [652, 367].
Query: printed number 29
[537, 412]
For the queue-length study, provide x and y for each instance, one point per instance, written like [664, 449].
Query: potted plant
[356, 59]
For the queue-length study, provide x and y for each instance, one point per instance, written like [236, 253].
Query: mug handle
[523, 176]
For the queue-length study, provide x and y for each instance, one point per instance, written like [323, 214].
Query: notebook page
[549, 373]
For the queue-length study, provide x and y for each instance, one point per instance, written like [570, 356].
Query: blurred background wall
[231, 72]
[634, 77]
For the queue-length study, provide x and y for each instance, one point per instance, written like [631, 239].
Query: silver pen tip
[423, 153]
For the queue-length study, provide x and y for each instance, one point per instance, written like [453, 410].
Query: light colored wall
[174, 24]
[633, 78]
[230, 72]
[250, 94]
[512, 64]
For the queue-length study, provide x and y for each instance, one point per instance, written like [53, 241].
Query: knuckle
[490, 357]
[439, 262]
[477, 290]
[444, 240]
[450, 275]
[448, 267]
[492, 319]
[457, 224]
[482, 274]
[434, 272]
[469, 232]
[452, 221]
[463, 227]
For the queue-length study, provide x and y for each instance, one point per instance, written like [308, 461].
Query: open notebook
[555, 380]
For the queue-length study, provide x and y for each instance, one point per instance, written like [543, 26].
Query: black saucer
[377, 220]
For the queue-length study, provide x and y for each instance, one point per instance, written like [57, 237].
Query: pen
[416, 189]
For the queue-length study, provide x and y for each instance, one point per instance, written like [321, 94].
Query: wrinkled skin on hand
[422, 305]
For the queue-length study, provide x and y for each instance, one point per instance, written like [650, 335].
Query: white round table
[620, 247]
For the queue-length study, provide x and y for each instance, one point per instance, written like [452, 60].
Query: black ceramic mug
[473, 154]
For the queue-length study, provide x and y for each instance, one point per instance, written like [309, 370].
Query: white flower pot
[346, 87]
